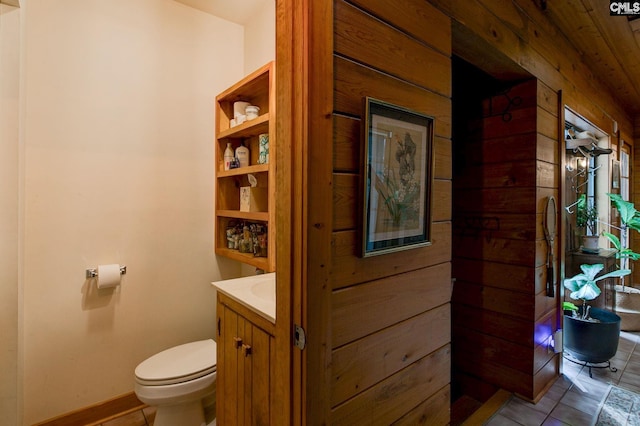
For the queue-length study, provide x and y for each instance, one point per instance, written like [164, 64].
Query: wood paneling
[399, 52]
[364, 39]
[390, 399]
[493, 323]
[390, 318]
[499, 247]
[353, 82]
[348, 269]
[359, 365]
[419, 19]
[432, 412]
[366, 308]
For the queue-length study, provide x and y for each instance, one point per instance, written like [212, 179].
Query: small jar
[252, 112]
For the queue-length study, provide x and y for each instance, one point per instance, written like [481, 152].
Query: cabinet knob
[238, 341]
[246, 349]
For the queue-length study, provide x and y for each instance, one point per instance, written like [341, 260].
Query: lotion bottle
[228, 156]
[242, 154]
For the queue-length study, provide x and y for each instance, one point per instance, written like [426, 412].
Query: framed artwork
[397, 178]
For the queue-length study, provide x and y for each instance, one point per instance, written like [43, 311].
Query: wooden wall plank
[496, 200]
[432, 412]
[366, 308]
[514, 252]
[499, 175]
[359, 365]
[347, 144]
[547, 149]
[473, 386]
[545, 377]
[345, 201]
[390, 399]
[515, 304]
[548, 99]
[499, 225]
[500, 149]
[364, 39]
[493, 323]
[546, 174]
[488, 349]
[547, 123]
[543, 331]
[497, 274]
[348, 269]
[496, 374]
[419, 19]
[353, 82]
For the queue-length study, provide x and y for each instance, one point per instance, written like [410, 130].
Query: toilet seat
[179, 364]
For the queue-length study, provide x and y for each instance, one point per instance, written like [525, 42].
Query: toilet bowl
[176, 380]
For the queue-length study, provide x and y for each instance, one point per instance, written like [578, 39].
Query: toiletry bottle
[242, 154]
[228, 156]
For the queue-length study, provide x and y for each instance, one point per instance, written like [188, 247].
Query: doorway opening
[504, 169]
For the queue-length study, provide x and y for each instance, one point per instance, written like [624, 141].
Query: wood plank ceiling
[609, 44]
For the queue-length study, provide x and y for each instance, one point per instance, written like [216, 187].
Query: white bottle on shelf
[242, 154]
[228, 156]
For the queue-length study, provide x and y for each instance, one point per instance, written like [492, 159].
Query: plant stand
[590, 365]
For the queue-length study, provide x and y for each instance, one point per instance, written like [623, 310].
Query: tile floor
[575, 398]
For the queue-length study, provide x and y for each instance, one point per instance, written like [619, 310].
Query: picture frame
[615, 174]
[397, 172]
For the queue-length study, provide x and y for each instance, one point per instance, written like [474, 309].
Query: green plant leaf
[591, 270]
[589, 291]
[628, 213]
[614, 240]
[575, 283]
[616, 273]
[568, 306]
[627, 254]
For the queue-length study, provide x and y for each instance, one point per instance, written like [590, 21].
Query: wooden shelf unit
[258, 89]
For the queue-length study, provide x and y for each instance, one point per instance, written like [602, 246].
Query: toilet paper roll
[108, 275]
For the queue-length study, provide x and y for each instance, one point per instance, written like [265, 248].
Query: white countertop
[256, 292]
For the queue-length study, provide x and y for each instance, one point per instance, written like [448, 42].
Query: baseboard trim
[98, 413]
[488, 409]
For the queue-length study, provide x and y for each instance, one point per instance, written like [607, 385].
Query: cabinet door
[243, 386]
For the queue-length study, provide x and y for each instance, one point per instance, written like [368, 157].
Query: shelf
[248, 258]
[248, 128]
[257, 89]
[237, 214]
[257, 168]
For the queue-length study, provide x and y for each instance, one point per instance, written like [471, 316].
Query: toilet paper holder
[93, 272]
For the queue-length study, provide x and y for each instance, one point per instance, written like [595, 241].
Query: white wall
[118, 127]
[9, 207]
[260, 37]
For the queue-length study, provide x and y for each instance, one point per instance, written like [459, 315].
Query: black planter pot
[592, 342]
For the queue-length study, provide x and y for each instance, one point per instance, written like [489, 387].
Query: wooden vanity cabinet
[245, 350]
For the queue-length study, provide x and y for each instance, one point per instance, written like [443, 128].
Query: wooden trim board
[488, 409]
[98, 413]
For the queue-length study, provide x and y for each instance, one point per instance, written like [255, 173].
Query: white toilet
[176, 380]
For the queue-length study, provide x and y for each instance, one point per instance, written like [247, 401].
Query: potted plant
[587, 219]
[627, 298]
[590, 334]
